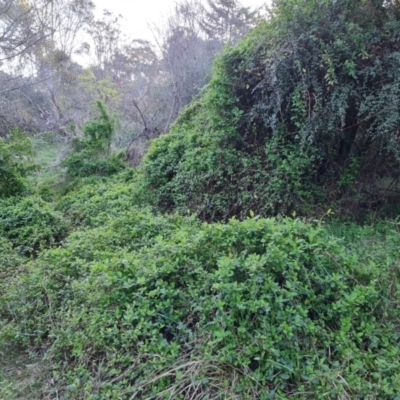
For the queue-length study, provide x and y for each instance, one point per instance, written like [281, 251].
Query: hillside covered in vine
[252, 253]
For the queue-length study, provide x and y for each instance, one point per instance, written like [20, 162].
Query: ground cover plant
[147, 306]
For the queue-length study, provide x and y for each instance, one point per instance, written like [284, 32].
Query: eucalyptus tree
[18, 39]
[17, 33]
[190, 39]
[37, 41]
[63, 22]
[227, 20]
[106, 38]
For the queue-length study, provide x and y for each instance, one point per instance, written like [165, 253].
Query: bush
[31, 224]
[163, 306]
[92, 154]
[300, 116]
[9, 261]
[88, 162]
[93, 203]
[15, 164]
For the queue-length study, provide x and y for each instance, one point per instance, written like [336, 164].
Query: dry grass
[22, 376]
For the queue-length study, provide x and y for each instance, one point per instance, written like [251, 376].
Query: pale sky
[138, 14]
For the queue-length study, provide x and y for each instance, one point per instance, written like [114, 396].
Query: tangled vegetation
[153, 306]
[302, 114]
[204, 274]
[92, 154]
[15, 164]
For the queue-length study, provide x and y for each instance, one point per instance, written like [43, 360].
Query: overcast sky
[138, 14]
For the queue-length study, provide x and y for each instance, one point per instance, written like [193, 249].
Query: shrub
[15, 164]
[92, 154]
[93, 203]
[30, 224]
[88, 162]
[9, 262]
[163, 306]
[302, 114]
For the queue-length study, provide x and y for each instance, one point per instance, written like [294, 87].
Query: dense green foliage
[170, 308]
[31, 224]
[303, 114]
[96, 202]
[92, 154]
[10, 261]
[169, 282]
[15, 163]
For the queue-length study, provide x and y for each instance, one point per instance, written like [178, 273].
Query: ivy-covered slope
[302, 115]
[139, 305]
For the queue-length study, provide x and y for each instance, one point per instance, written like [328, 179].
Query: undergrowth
[139, 305]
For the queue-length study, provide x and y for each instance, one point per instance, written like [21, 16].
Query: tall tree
[37, 41]
[191, 37]
[107, 37]
[17, 33]
[62, 21]
[227, 20]
[18, 39]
